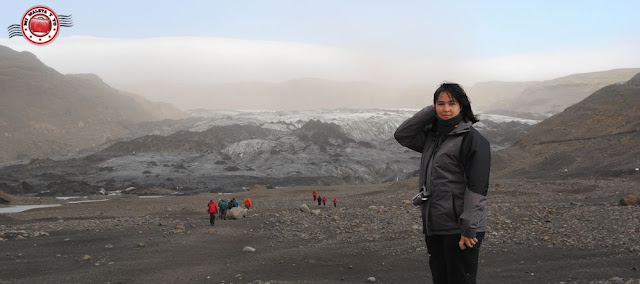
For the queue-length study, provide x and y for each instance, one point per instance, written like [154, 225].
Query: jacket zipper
[455, 212]
[427, 180]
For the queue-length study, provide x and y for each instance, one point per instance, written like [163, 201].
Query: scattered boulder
[371, 280]
[13, 234]
[257, 187]
[152, 190]
[211, 231]
[179, 229]
[304, 207]
[316, 212]
[248, 249]
[86, 257]
[236, 213]
[6, 198]
[68, 187]
[616, 280]
[630, 199]
[335, 218]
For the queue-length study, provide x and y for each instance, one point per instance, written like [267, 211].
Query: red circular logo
[40, 25]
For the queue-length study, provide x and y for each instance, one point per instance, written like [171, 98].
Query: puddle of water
[85, 201]
[69, 197]
[21, 208]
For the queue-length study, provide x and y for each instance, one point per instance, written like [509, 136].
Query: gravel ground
[539, 232]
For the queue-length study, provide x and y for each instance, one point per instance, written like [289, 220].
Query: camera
[420, 197]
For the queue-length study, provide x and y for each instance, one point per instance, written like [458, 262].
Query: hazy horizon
[172, 52]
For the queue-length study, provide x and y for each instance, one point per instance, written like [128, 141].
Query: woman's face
[446, 106]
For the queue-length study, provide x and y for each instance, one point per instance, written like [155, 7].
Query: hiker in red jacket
[213, 210]
[324, 201]
[314, 193]
[335, 202]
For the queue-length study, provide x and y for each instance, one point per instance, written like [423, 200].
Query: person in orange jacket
[213, 210]
[324, 201]
[335, 202]
[248, 203]
[314, 193]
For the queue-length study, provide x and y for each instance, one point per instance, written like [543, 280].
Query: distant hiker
[233, 203]
[213, 210]
[324, 200]
[248, 203]
[222, 204]
[319, 201]
[453, 183]
[314, 193]
[335, 202]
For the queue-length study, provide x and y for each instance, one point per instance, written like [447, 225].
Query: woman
[454, 180]
[248, 203]
[212, 210]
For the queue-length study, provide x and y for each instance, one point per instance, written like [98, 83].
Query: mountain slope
[551, 96]
[45, 113]
[597, 137]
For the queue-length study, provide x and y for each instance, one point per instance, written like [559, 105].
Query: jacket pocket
[441, 214]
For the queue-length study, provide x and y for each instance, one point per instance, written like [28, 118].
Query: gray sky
[149, 47]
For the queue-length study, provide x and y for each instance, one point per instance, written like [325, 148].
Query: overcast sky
[137, 44]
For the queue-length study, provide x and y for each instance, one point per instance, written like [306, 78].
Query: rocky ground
[539, 232]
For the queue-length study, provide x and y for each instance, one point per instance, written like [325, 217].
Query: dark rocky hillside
[597, 137]
[44, 113]
[184, 141]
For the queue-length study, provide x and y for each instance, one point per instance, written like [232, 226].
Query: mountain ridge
[548, 96]
[594, 138]
[45, 113]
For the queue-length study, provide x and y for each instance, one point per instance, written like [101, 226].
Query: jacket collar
[463, 127]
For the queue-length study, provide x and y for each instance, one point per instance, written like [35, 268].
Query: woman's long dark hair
[460, 96]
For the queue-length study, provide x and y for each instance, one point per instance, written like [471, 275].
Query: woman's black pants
[449, 264]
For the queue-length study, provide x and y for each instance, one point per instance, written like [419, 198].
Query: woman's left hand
[467, 242]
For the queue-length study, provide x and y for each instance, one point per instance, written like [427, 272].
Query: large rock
[236, 213]
[630, 199]
[304, 207]
[248, 249]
